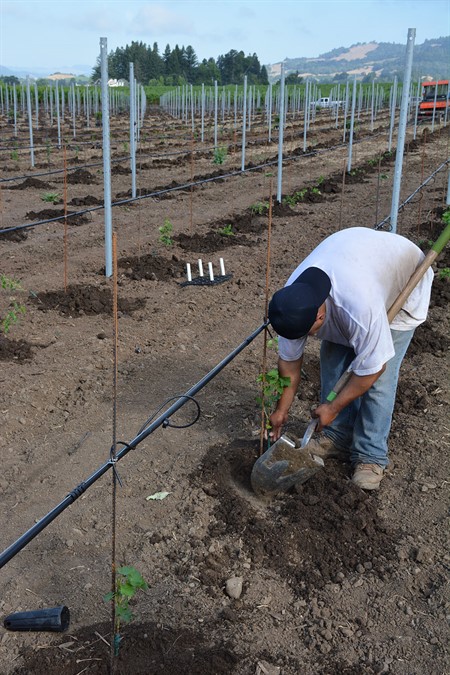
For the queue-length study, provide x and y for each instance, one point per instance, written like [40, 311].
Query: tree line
[180, 65]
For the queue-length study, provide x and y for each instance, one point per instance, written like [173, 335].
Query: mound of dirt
[81, 177]
[14, 235]
[31, 182]
[15, 350]
[211, 242]
[89, 200]
[49, 214]
[152, 266]
[80, 300]
[330, 527]
[151, 649]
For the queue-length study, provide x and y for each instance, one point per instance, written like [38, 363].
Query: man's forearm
[355, 387]
[279, 416]
[291, 369]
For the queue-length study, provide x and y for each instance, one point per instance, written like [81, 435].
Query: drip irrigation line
[56, 171]
[117, 160]
[134, 199]
[80, 489]
[187, 186]
[147, 156]
[166, 422]
[431, 177]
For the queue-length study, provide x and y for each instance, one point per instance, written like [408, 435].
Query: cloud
[97, 21]
[155, 18]
[12, 9]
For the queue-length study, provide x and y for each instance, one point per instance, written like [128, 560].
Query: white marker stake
[211, 273]
[222, 267]
[188, 271]
[200, 267]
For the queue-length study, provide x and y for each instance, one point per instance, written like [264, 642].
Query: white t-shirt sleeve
[291, 350]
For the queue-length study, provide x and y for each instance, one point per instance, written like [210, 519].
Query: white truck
[326, 102]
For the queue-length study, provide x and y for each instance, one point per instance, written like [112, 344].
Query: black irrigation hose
[56, 171]
[166, 422]
[148, 429]
[158, 156]
[113, 161]
[186, 186]
[383, 222]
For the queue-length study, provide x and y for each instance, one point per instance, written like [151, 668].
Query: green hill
[368, 60]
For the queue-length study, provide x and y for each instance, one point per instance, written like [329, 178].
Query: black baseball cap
[293, 309]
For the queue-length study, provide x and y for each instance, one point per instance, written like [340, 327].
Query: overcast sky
[57, 34]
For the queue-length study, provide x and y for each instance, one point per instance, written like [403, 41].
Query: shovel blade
[282, 466]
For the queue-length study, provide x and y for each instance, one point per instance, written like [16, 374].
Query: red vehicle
[435, 96]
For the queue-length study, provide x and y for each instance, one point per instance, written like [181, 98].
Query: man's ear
[320, 313]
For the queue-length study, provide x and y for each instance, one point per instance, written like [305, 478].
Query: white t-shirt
[368, 269]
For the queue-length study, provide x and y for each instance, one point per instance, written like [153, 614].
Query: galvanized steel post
[58, 116]
[215, 113]
[30, 122]
[280, 138]
[203, 113]
[244, 122]
[132, 131]
[106, 158]
[352, 126]
[36, 102]
[402, 129]
[393, 101]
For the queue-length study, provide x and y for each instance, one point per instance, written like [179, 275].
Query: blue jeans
[364, 425]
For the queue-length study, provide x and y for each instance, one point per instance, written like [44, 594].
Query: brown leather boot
[368, 476]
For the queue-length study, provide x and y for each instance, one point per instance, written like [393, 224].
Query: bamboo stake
[419, 212]
[342, 195]
[266, 312]
[377, 198]
[113, 457]
[192, 187]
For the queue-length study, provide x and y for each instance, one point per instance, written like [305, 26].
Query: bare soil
[334, 580]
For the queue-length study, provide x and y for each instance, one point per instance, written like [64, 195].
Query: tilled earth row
[333, 580]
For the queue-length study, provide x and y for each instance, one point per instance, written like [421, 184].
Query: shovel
[284, 464]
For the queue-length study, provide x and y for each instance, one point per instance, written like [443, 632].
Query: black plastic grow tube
[20, 543]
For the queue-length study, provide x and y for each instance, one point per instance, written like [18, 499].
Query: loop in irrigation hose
[166, 423]
[149, 428]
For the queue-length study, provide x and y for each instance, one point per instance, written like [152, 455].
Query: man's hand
[355, 387]
[278, 418]
[324, 414]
